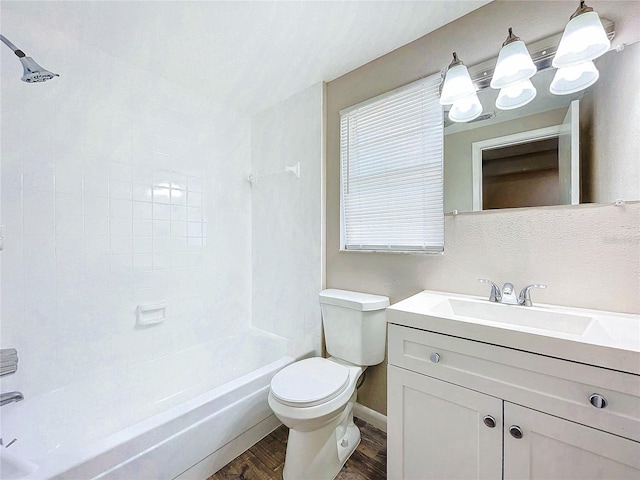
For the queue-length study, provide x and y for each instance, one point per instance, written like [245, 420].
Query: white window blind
[391, 151]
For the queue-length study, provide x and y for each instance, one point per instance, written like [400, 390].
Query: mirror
[557, 150]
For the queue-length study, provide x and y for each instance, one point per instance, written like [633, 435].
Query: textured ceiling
[248, 54]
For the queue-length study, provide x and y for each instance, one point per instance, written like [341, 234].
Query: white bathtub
[184, 415]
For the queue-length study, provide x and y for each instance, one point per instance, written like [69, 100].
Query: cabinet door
[436, 430]
[554, 448]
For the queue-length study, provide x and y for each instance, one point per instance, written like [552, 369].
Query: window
[391, 150]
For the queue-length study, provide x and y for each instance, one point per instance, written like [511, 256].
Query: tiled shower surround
[118, 190]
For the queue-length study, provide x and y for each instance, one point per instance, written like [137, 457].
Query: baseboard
[370, 416]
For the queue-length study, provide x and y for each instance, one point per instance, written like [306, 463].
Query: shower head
[33, 72]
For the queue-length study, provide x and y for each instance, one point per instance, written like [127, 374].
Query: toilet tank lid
[364, 302]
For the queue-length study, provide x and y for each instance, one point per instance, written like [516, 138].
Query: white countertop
[595, 337]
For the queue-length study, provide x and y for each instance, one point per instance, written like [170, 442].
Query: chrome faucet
[10, 398]
[508, 296]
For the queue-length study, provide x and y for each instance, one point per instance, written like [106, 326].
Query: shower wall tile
[286, 218]
[120, 171]
[68, 182]
[108, 210]
[120, 189]
[142, 210]
[38, 176]
[142, 245]
[142, 227]
[95, 207]
[68, 205]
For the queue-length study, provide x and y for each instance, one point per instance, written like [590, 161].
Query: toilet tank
[355, 325]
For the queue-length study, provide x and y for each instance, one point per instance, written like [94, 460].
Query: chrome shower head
[33, 72]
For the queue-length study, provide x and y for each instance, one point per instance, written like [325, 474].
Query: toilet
[315, 397]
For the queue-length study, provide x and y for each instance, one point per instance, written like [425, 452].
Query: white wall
[287, 218]
[118, 188]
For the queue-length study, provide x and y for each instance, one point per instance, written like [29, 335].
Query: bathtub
[184, 415]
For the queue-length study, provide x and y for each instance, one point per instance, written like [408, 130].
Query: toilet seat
[309, 382]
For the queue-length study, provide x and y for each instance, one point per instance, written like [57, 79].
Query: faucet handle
[495, 295]
[525, 296]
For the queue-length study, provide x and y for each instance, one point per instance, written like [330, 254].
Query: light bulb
[465, 109]
[572, 79]
[515, 96]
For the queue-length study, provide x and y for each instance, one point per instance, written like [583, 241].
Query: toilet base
[320, 454]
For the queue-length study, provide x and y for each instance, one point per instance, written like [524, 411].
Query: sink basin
[12, 467]
[516, 315]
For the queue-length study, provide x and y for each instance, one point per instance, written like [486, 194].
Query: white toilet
[315, 397]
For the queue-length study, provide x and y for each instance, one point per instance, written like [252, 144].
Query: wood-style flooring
[265, 460]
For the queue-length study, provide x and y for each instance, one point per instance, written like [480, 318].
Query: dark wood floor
[265, 460]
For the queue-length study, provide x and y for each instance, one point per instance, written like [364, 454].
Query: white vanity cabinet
[464, 409]
[555, 448]
[435, 430]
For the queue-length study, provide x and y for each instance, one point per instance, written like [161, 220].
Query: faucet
[10, 398]
[508, 296]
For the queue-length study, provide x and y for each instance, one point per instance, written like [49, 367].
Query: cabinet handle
[489, 421]
[515, 431]
[434, 357]
[598, 400]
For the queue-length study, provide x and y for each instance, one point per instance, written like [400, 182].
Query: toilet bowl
[315, 397]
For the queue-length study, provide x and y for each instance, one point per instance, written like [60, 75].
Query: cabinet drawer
[558, 387]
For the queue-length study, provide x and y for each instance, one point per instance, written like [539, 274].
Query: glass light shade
[514, 65]
[583, 39]
[465, 109]
[457, 85]
[515, 96]
[572, 79]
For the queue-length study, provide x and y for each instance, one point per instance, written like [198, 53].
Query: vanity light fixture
[584, 39]
[457, 83]
[512, 73]
[572, 79]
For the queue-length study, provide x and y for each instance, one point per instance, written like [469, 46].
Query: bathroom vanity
[485, 390]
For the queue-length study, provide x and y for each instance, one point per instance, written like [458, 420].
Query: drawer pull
[598, 400]
[434, 357]
[489, 421]
[515, 431]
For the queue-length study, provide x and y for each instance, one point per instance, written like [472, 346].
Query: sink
[532, 317]
[13, 467]
[594, 337]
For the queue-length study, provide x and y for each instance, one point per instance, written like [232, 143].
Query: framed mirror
[553, 151]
